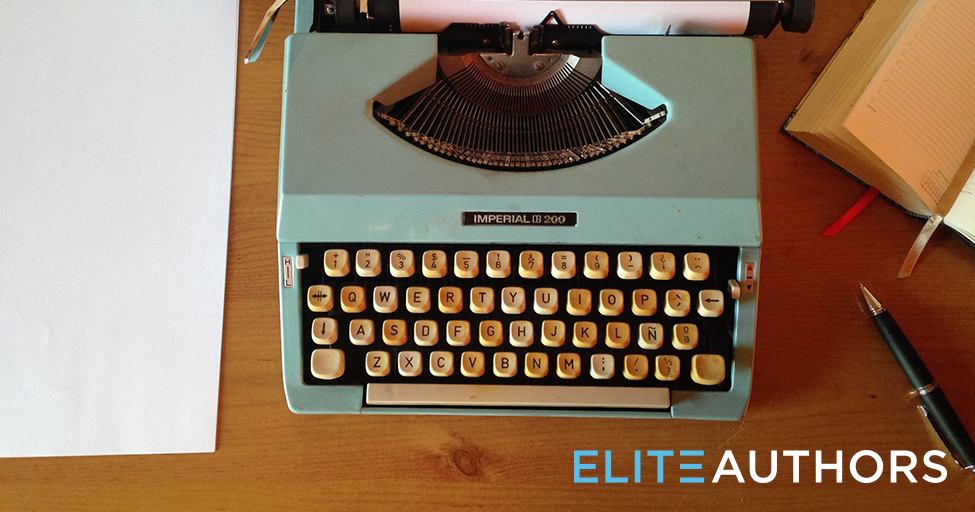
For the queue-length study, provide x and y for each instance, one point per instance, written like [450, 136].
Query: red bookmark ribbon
[845, 219]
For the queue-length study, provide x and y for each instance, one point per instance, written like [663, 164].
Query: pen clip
[941, 436]
[262, 32]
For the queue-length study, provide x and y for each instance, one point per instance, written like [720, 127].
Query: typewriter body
[618, 285]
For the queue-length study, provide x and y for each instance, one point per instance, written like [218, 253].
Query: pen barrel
[904, 352]
[949, 427]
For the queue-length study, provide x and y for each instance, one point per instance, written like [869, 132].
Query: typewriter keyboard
[517, 325]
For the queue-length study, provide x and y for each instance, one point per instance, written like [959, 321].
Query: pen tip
[872, 303]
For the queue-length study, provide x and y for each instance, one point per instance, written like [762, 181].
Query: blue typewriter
[503, 220]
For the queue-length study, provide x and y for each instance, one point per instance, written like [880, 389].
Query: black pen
[934, 404]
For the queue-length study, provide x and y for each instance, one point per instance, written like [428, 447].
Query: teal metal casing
[346, 178]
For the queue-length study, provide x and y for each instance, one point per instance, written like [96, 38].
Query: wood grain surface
[824, 379]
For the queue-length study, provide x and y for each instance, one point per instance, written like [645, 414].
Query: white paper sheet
[116, 142]
[620, 17]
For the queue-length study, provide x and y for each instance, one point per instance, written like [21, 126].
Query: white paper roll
[622, 17]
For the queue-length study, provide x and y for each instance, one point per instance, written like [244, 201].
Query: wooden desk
[824, 380]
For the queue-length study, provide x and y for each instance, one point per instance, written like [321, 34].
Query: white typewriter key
[498, 264]
[636, 367]
[584, 334]
[324, 331]
[327, 363]
[368, 263]
[597, 265]
[450, 299]
[677, 303]
[610, 302]
[697, 266]
[336, 262]
[536, 365]
[666, 368]
[434, 264]
[465, 264]
[385, 299]
[568, 366]
[644, 302]
[710, 303]
[505, 364]
[553, 333]
[630, 265]
[458, 333]
[531, 264]
[513, 300]
[602, 366]
[578, 302]
[472, 364]
[663, 265]
[301, 261]
[425, 333]
[707, 369]
[563, 264]
[362, 331]
[377, 363]
[490, 333]
[441, 363]
[651, 336]
[320, 298]
[617, 335]
[401, 263]
[685, 336]
[409, 363]
[394, 332]
[418, 299]
[546, 301]
[482, 300]
[521, 333]
[353, 299]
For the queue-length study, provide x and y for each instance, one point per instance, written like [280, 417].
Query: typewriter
[505, 207]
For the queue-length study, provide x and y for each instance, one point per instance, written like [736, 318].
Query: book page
[818, 120]
[918, 113]
[961, 218]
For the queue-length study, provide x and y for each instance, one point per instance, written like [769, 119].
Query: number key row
[530, 264]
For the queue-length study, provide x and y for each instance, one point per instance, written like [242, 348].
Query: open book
[895, 107]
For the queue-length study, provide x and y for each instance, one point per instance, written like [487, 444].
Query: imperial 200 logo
[865, 466]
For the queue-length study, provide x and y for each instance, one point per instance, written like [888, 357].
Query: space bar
[490, 395]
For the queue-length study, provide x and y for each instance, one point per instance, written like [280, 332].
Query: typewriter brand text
[519, 218]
